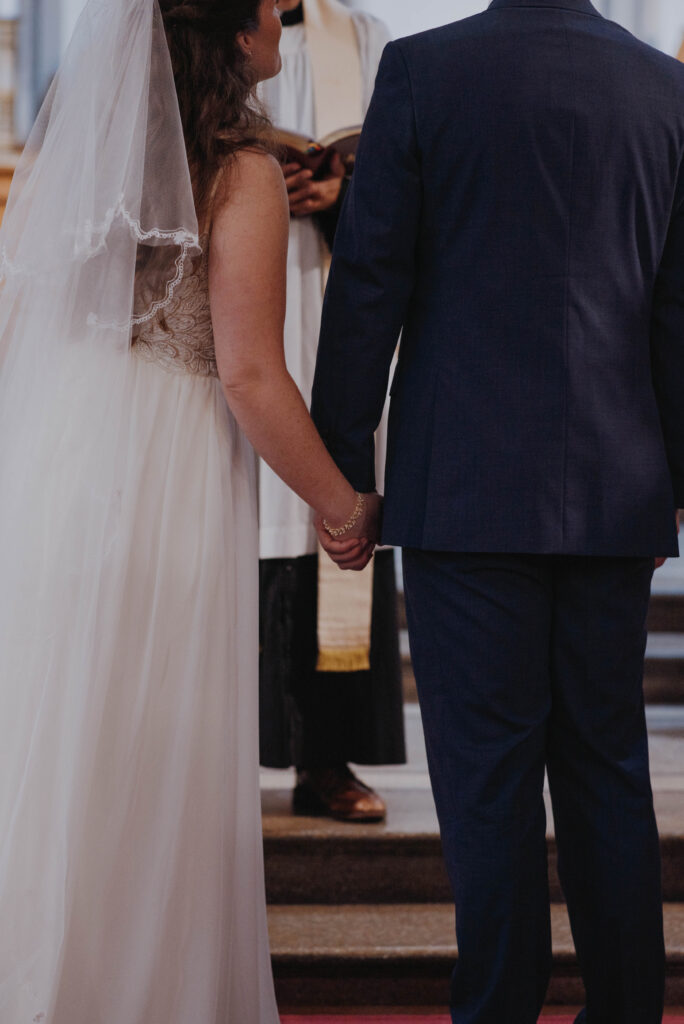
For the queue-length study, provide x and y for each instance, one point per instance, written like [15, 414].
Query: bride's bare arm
[247, 286]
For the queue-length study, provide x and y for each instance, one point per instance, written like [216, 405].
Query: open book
[318, 156]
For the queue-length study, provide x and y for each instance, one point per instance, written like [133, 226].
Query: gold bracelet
[359, 509]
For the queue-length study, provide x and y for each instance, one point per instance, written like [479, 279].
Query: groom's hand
[661, 561]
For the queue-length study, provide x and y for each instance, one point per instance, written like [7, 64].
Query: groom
[517, 210]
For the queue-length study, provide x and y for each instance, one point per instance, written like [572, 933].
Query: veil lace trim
[91, 240]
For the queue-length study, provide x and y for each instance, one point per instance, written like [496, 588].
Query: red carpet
[412, 1019]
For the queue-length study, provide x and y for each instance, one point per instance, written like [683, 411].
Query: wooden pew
[8, 162]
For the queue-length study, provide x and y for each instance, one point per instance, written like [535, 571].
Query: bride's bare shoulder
[252, 175]
[250, 206]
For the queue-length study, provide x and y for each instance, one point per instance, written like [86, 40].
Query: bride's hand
[355, 549]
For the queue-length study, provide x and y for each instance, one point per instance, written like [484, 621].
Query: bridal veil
[131, 873]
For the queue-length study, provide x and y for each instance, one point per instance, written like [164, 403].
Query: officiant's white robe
[286, 522]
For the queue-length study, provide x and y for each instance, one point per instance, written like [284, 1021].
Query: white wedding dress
[131, 865]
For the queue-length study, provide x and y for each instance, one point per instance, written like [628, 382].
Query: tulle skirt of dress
[131, 866]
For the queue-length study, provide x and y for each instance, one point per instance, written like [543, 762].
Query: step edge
[426, 844]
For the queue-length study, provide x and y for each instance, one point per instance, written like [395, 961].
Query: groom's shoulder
[669, 67]
[424, 44]
[432, 46]
[648, 65]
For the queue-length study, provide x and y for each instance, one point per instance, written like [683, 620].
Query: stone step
[402, 955]
[666, 613]
[320, 861]
[663, 676]
[664, 673]
[317, 860]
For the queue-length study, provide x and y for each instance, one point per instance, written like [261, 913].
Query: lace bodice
[180, 338]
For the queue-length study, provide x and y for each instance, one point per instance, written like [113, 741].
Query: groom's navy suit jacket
[517, 209]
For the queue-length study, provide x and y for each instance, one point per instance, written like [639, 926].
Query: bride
[143, 255]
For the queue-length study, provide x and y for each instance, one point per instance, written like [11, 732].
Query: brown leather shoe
[336, 793]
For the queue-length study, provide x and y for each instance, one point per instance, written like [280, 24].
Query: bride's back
[180, 337]
[215, 86]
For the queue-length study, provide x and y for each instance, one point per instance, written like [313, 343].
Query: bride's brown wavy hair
[215, 84]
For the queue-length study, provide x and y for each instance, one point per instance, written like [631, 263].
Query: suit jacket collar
[578, 6]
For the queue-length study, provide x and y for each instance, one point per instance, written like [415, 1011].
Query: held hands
[307, 196]
[355, 549]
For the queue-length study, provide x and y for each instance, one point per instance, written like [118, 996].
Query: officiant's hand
[307, 196]
[355, 550]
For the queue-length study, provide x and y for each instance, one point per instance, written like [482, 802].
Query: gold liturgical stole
[345, 599]
[345, 604]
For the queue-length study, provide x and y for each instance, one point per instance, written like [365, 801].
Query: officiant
[330, 670]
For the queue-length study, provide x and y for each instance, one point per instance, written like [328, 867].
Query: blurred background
[34, 33]
[660, 22]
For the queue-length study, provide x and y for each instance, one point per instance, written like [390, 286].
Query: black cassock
[314, 719]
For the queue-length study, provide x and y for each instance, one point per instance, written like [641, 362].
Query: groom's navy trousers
[516, 214]
[527, 662]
